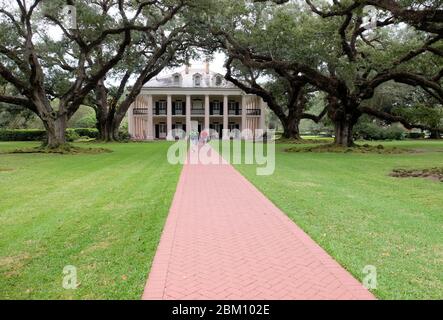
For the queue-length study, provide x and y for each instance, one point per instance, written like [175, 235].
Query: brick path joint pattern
[223, 239]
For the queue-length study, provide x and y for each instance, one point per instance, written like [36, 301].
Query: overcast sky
[215, 65]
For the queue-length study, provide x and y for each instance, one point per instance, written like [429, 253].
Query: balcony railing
[234, 112]
[141, 111]
[160, 112]
[253, 112]
[178, 112]
[198, 111]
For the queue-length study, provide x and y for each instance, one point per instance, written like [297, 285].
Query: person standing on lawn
[204, 136]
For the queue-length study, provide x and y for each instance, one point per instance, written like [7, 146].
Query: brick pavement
[223, 239]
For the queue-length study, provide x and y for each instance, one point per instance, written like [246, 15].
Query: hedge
[372, 131]
[86, 132]
[22, 135]
[40, 135]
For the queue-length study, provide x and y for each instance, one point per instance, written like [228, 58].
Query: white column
[131, 120]
[150, 118]
[243, 113]
[206, 112]
[262, 114]
[225, 116]
[188, 114]
[169, 118]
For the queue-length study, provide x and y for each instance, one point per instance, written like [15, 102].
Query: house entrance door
[162, 130]
[218, 128]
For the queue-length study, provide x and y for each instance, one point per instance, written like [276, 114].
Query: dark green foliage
[123, 135]
[40, 135]
[373, 131]
[22, 135]
[64, 149]
[72, 135]
[86, 132]
[415, 135]
[430, 115]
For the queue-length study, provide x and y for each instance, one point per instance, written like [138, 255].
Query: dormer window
[176, 78]
[218, 81]
[197, 80]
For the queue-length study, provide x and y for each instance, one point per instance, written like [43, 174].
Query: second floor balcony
[141, 111]
[235, 112]
[253, 112]
[198, 111]
[159, 111]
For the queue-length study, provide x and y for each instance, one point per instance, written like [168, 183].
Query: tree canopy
[286, 52]
[342, 49]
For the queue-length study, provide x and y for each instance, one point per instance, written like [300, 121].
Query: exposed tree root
[354, 149]
[430, 173]
[301, 141]
[62, 149]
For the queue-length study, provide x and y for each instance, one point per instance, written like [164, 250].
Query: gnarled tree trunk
[56, 131]
[291, 128]
[108, 126]
[343, 132]
[344, 118]
[116, 123]
[108, 129]
[435, 134]
[105, 127]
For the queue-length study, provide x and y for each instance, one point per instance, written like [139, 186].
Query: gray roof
[208, 80]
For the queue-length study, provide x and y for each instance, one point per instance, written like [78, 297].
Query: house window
[217, 127]
[232, 106]
[162, 107]
[162, 130]
[197, 81]
[177, 79]
[178, 107]
[216, 107]
[234, 126]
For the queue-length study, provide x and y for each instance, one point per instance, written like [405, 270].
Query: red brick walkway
[223, 239]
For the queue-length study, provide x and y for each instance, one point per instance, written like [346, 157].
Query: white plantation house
[197, 97]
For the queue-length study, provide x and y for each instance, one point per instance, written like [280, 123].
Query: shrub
[88, 121]
[394, 133]
[87, 132]
[372, 131]
[416, 135]
[22, 135]
[72, 135]
[40, 135]
[123, 135]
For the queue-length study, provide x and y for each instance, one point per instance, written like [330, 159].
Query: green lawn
[101, 213]
[361, 216]
[104, 214]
